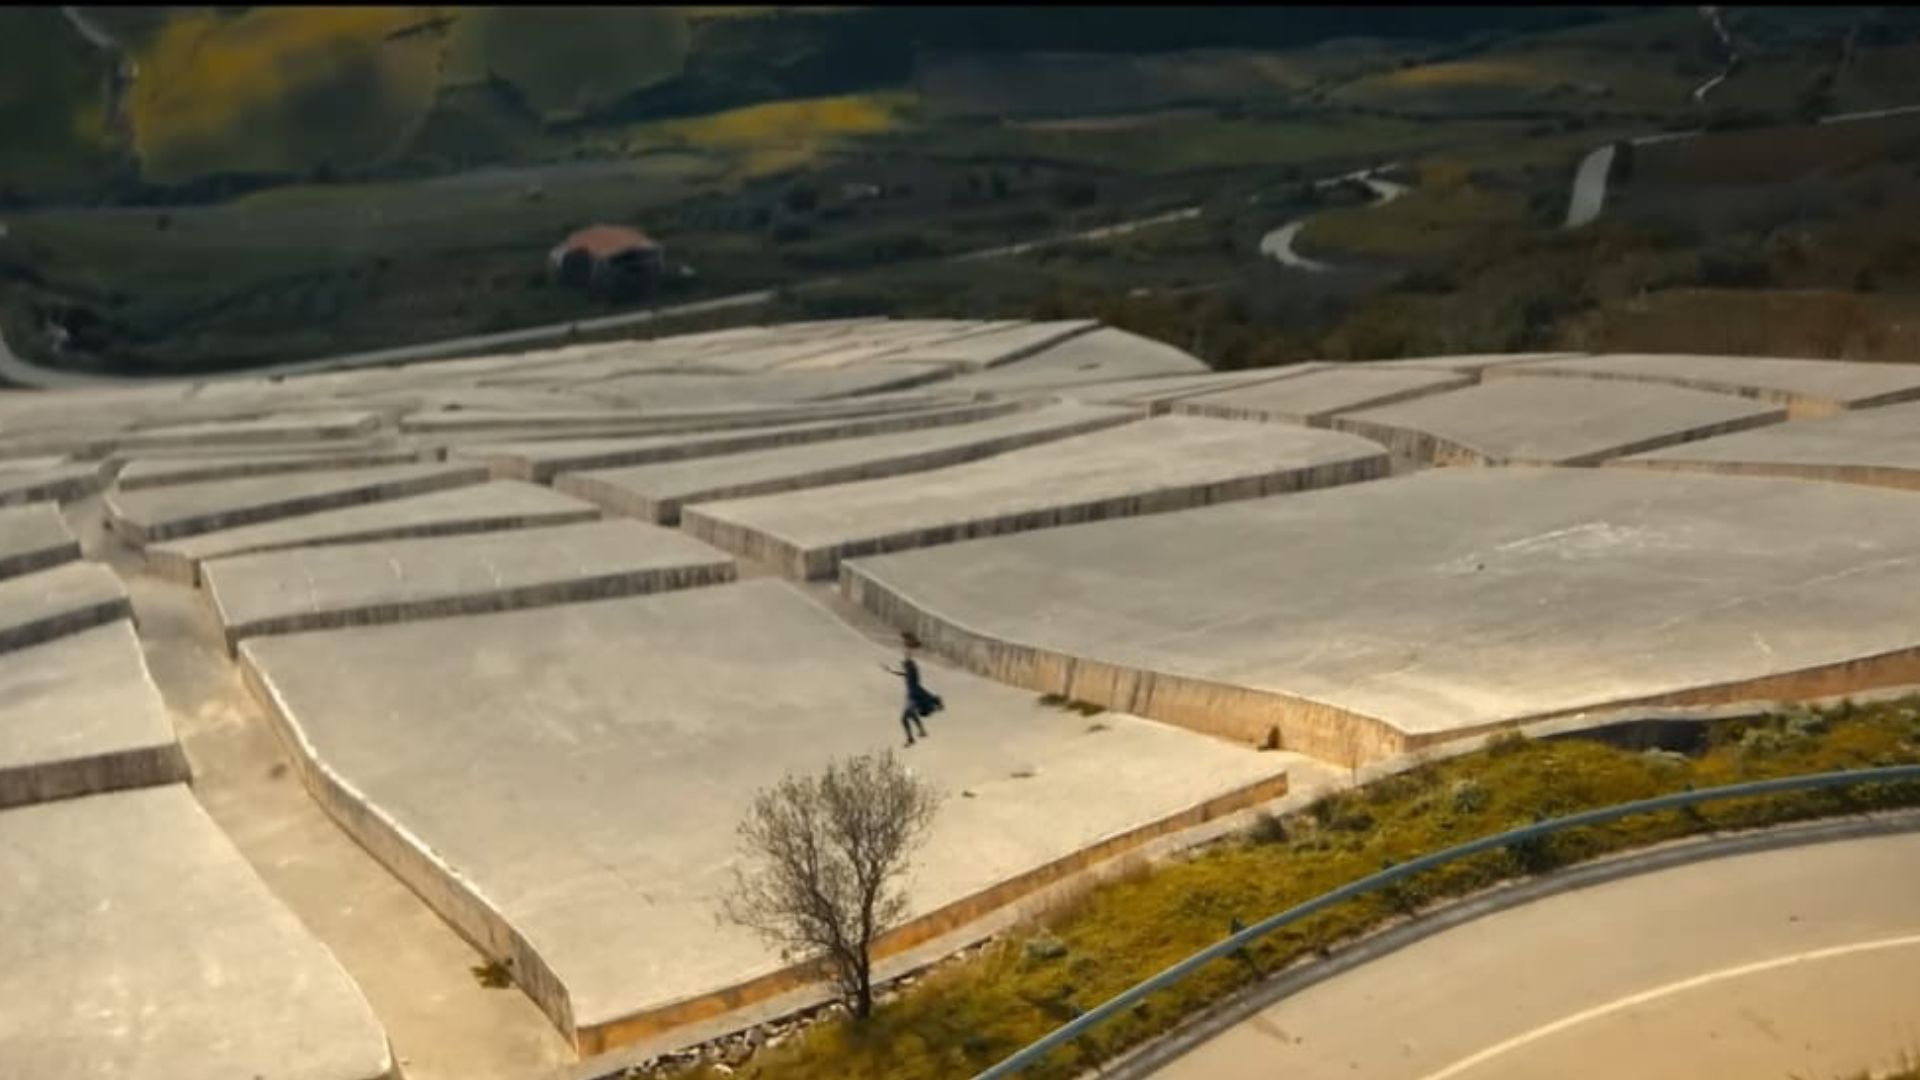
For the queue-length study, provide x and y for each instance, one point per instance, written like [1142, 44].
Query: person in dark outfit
[921, 702]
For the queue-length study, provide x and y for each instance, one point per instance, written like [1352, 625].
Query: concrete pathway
[1796, 961]
[414, 969]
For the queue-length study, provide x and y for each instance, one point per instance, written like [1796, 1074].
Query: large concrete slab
[1374, 618]
[1878, 446]
[317, 588]
[1470, 363]
[657, 492]
[143, 472]
[1808, 388]
[56, 484]
[543, 461]
[663, 421]
[80, 715]
[1104, 355]
[567, 781]
[271, 429]
[143, 947]
[472, 509]
[1316, 395]
[1154, 466]
[149, 515]
[1157, 392]
[976, 351]
[34, 538]
[711, 391]
[1553, 421]
[63, 600]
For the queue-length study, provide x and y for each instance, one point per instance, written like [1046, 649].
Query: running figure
[921, 702]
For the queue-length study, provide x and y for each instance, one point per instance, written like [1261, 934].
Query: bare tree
[824, 855]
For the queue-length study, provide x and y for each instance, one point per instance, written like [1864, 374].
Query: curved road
[1798, 961]
[1278, 244]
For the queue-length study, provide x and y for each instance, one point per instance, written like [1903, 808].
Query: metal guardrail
[1080, 1025]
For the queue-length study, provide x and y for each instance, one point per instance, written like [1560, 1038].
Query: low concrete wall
[410, 859]
[810, 564]
[238, 470]
[45, 781]
[513, 467]
[1798, 406]
[61, 623]
[139, 535]
[184, 569]
[1888, 476]
[667, 511]
[939, 922]
[1412, 443]
[466, 908]
[26, 562]
[1232, 712]
[603, 587]
[65, 488]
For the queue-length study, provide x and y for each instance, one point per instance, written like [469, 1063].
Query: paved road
[1798, 961]
[1278, 244]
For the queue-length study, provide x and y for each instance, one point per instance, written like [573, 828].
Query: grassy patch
[967, 1016]
[777, 135]
[281, 90]
[1208, 142]
[568, 61]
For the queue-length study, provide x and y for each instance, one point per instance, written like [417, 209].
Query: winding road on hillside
[1278, 244]
[1797, 961]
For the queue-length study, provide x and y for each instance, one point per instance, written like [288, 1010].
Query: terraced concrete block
[53, 603]
[34, 538]
[149, 515]
[1158, 392]
[160, 472]
[974, 352]
[541, 462]
[1170, 463]
[271, 429]
[1104, 355]
[1372, 619]
[662, 421]
[658, 492]
[1808, 388]
[1313, 397]
[1878, 447]
[283, 592]
[55, 484]
[1553, 421]
[458, 511]
[711, 391]
[606, 751]
[156, 953]
[1469, 363]
[79, 715]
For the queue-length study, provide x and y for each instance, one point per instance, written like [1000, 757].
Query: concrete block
[1878, 446]
[159, 472]
[657, 492]
[585, 827]
[1104, 355]
[1158, 392]
[1553, 421]
[457, 511]
[975, 352]
[143, 947]
[317, 588]
[1808, 388]
[1170, 463]
[33, 538]
[79, 715]
[63, 600]
[663, 421]
[1313, 397]
[541, 462]
[57, 484]
[149, 515]
[1372, 619]
[271, 429]
[1466, 363]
